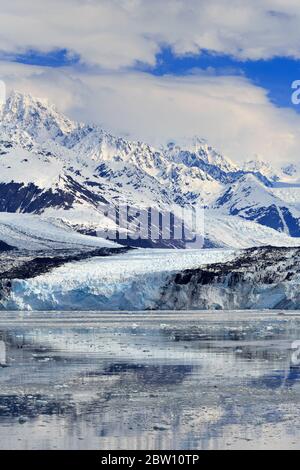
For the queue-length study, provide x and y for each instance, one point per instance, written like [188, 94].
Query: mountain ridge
[51, 165]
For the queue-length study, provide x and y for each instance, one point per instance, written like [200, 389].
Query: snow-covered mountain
[53, 166]
[250, 199]
[57, 175]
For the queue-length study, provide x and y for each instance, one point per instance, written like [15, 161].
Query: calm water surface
[149, 381]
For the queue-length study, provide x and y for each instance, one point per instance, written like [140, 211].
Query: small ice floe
[60, 386]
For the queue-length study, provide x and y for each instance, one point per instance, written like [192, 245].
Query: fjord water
[163, 380]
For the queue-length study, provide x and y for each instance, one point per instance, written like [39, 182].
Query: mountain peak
[257, 165]
[19, 103]
[36, 116]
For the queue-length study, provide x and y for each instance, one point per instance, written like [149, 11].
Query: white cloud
[117, 33]
[230, 112]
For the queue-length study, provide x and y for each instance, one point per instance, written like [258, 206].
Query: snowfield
[130, 281]
[32, 232]
[233, 232]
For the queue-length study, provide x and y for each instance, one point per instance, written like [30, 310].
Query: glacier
[46, 265]
[128, 281]
[149, 279]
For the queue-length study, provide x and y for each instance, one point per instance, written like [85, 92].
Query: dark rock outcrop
[265, 277]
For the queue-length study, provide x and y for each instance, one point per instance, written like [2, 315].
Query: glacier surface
[130, 281]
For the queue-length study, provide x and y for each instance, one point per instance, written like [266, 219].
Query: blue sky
[275, 75]
[55, 58]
